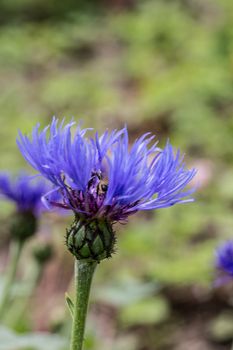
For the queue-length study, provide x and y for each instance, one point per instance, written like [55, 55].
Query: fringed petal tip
[103, 175]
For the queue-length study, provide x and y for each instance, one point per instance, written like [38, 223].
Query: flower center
[98, 185]
[91, 200]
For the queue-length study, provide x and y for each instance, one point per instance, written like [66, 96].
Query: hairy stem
[83, 277]
[15, 252]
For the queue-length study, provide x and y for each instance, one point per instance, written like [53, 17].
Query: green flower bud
[23, 225]
[91, 241]
[43, 253]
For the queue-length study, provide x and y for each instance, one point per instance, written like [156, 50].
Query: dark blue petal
[224, 257]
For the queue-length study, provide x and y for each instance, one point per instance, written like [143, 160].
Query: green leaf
[33, 341]
[221, 328]
[125, 292]
[149, 311]
[70, 304]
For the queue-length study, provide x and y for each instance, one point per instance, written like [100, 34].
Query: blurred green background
[159, 66]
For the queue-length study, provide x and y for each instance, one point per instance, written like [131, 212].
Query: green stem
[83, 277]
[15, 252]
[21, 304]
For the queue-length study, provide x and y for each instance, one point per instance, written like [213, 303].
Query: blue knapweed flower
[26, 194]
[224, 260]
[103, 180]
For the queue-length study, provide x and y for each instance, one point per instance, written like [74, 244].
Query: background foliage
[159, 66]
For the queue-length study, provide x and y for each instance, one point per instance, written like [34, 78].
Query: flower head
[102, 180]
[26, 195]
[23, 191]
[100, 177]
[224, 258]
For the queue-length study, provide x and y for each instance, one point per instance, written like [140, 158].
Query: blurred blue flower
[224, 258]
[24, 191]
[100, 177]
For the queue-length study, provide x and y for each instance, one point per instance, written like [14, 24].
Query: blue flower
[224, 258]
[24, 192]
[101, 177]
